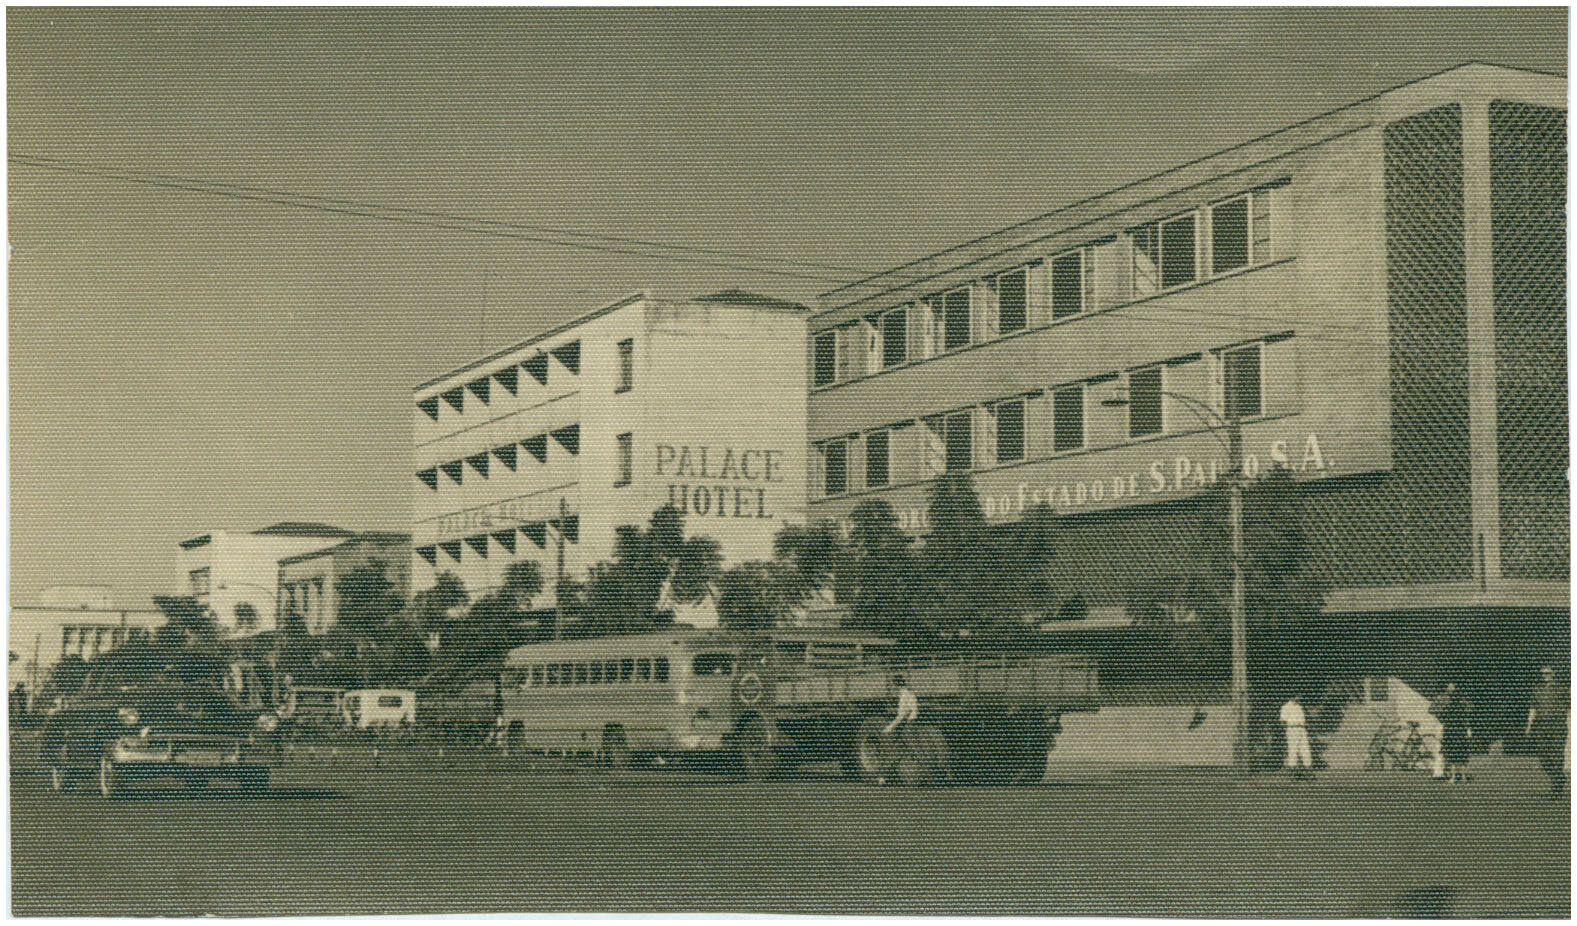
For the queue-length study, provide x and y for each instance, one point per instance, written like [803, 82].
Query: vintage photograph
[902, 461]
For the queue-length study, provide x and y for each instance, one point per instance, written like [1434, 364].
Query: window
[835, 467]
[1164, 254]
[611, 670]
[1241, 394]
[536, 676]
[596, 673]
[876, 451]
[956, 322]
[1229, 235]
[960, 442]
[626, 460]
[660, 669]
[826, 371]
[199, 581]
[1067, 411]
[895, 338]
[1177, 251]
[643, 670]
[1012, 302]
[580, 673]
[390, 701]
[626, 670]
[553, 674]
[626, 366]
[1010, 430]
[1067, 285]
[1144, 402]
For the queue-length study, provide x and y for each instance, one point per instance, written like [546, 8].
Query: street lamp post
[1233, 443]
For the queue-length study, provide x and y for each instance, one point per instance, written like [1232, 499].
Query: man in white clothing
[1299, 757]
[908, 706]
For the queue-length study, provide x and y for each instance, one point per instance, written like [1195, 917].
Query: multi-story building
[309, 583]
[541, 451]
[235, 574]
[1376, 297]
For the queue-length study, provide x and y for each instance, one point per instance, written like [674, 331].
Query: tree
[819, 557]
[757, 596]
[432, 609]
[368, 601]
[186, 621]
[67, 676]
[624, 595]
[881, 571]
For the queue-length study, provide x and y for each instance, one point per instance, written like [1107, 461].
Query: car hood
[193, 710]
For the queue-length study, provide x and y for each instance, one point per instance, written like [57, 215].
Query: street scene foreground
[412, 832]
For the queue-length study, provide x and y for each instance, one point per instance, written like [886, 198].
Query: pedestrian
[1547, 728]
[1299, 758]
[908, 706]
[1453, 711]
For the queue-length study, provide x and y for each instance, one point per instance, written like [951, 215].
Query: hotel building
[1376, 297]
[541, 451]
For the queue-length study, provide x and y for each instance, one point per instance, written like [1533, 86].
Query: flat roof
[728, 297]
[875, 290]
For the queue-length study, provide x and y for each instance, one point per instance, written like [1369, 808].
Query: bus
[673, 692]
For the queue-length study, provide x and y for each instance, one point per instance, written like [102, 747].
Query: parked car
[379, 707]
[150, 713]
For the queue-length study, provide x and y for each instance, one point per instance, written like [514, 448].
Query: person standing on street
[908, 706]
[1452, 712]
[1547, 729]
[1299, 757]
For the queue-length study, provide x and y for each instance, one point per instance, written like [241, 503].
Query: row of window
[1211, 241]
[507, 378]
[482, 544]
[1039, 424]
[597, 672]
[507, 455]
[568, 438]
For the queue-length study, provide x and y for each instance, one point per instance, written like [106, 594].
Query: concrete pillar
[1478, 244]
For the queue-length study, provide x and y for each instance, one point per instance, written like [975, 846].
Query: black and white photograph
[884, 461]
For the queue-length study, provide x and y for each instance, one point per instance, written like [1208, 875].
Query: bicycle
[1401, 746]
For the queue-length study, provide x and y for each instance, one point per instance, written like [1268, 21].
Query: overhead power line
[585, 241]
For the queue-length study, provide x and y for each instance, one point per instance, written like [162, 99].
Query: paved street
[344, 836]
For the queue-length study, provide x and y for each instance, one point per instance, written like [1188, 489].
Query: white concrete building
[236, 573]
[557, 441]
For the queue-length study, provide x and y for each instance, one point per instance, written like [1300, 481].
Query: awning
[569, 438]
[509, 378]
[538, 368]
[430, 406]
[569, 355]
[506, 455]
[430, 477]
[537, 446]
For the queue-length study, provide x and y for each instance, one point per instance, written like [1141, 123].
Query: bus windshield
[710, 664]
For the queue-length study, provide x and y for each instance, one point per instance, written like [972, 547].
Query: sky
[182, 361]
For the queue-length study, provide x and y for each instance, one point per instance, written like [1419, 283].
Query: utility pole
[1239, 609]
[558, 585]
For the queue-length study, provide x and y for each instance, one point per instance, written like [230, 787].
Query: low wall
[1144, 736]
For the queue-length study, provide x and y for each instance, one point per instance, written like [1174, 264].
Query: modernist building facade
[541, 451]
[235, 574]
[309, 583]
[1376, 297]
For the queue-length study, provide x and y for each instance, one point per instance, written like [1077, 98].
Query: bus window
[580, 673]
[596, 673]
[553, 674]
[709, 664]
[626, 670]
[660, 669]
[566, 673]
[536, 675]
[612, 670]
[643, 670]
